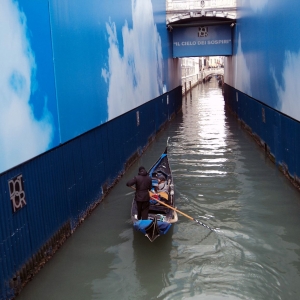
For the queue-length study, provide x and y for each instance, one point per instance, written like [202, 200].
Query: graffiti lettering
[17, 193]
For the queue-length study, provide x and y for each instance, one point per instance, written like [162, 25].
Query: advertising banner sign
[202, 41]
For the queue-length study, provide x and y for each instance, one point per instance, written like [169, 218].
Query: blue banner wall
[68, 66]
[108, 59]
[262, 82]
[266, 54]
[202, 41]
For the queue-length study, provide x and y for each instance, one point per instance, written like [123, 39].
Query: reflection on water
[222, 179]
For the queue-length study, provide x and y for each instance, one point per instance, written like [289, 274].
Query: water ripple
[218, 178]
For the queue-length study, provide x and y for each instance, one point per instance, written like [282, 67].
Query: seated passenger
[160, 189]
[162, 185]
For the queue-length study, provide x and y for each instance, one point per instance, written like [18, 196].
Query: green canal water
[223, 179]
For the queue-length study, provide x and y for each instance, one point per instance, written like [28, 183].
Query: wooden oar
[182, 213]
[161, 194]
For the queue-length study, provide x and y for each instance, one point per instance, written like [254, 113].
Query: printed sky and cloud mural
[67, 67]
[28, 124]
[107, 54]
[134, 73]
[267, 53]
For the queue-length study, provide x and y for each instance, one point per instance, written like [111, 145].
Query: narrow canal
[223, 179]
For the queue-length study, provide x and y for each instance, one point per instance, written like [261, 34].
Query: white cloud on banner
[21, 135]
[242, 80]
[289, 92]
[136, 76]
[258, 5]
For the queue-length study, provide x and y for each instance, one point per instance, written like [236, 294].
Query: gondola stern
[152, 229]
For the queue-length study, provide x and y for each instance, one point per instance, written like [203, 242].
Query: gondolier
[143, 184]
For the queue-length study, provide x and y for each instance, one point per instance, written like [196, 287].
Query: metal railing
[193, 8]
[196, 4]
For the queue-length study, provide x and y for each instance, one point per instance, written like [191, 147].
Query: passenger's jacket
[143, 185]
[163, 187]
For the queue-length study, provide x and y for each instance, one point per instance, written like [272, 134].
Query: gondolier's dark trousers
[143, 209]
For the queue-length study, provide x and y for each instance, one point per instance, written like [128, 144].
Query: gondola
[161, 214]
